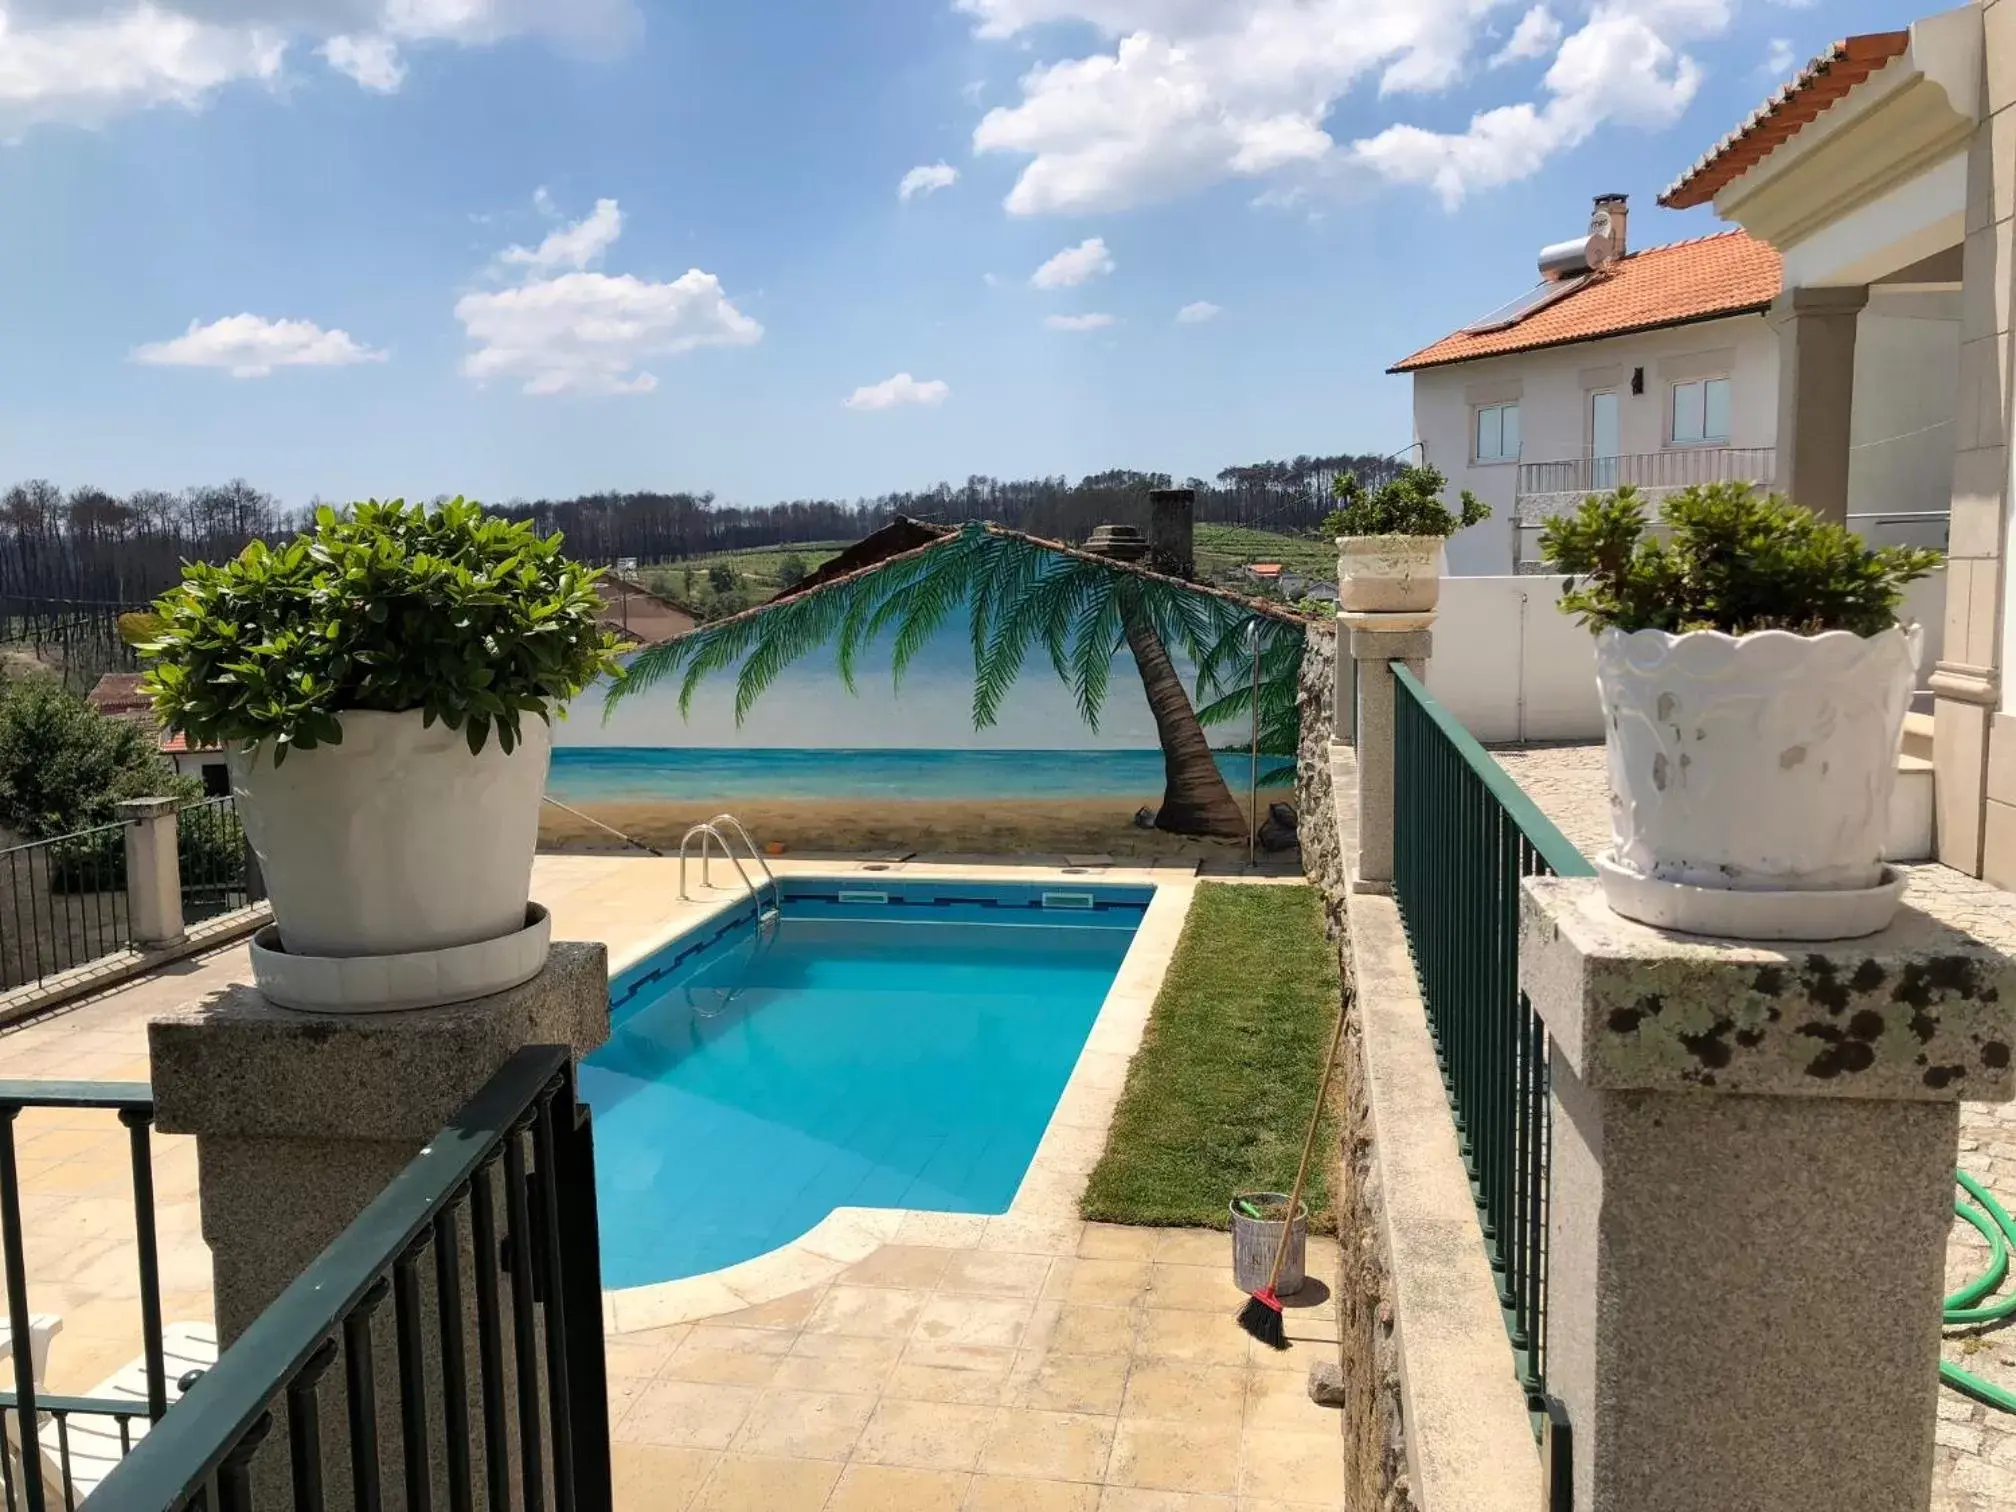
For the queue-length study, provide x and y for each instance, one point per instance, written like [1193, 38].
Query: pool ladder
[710, 834]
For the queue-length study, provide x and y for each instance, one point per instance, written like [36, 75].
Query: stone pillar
[1750, 1195]
[301, 1119]
[1974, 746]
[1172, 531]
[1375, 640]
[1344, 690]
[1816, 394]
[153, 871]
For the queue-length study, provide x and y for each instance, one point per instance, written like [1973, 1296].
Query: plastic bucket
[1255, 1239]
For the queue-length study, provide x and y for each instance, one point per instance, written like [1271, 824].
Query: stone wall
[1375, 1449]
[1315, 808]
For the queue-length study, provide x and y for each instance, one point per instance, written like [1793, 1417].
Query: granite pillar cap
[236, 1065]
[1921, 1012]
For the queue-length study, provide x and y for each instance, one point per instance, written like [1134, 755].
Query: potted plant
[1389, 541]
[373, 681]
[1754, 680]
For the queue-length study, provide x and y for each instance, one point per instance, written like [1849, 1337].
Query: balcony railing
[62, 902]
[486, 1249]
[1660, 471]
[1464, 837]
[57, 1448]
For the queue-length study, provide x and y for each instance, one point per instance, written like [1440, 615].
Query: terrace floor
[1975, 1470]
[970, 1364]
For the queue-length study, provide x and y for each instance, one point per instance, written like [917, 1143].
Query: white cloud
[1780, 60]
[1618, 68]
[927, 178]
[1198, 313]
[250, 346]
[1074, 266]
[372, 61]
[1534, 37]
[84, 62]
[899, 390]
[1079, 322]
[592, 333]
[574, 246]
[1182, 94]
[84, 71]
[1794, 4]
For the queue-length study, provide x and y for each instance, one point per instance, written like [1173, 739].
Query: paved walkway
[1976, 1466]
[969, 1366]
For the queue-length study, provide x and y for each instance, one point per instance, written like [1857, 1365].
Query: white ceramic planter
[1388, 574]
[398, 840]
[1750, 778]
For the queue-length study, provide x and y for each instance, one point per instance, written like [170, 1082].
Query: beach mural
[986, 693]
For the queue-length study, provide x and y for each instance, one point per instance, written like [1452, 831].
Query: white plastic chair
[95, 1445]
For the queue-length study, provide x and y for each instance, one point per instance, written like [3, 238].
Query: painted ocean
[646, 774]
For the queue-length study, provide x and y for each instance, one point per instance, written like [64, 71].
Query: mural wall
[983, 695]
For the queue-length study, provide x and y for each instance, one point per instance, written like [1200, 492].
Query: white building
[1662, 368]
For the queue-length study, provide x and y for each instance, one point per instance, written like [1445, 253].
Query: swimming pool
[882, 1044]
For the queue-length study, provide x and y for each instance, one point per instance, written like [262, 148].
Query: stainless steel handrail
[757, 855]
[708, 833]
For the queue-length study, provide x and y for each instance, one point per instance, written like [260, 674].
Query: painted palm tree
[1019, 595]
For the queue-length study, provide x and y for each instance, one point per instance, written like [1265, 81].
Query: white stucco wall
[1552, 388]
[1512, 667]
[1907, 388]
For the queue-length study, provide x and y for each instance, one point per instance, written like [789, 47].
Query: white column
[153, 871]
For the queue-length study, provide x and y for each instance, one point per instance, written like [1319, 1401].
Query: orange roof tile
[1729, 273]
[1823, 81]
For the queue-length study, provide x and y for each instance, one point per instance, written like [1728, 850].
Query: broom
[1261, 1316]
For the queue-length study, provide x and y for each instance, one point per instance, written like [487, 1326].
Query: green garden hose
[1965, 1305]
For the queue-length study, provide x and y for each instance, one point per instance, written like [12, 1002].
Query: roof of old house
[1788, 112]
[117, 695]
[1729, 273]
[898, 536]
[639, 615]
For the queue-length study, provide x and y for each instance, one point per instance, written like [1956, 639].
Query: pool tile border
[1043, 1218]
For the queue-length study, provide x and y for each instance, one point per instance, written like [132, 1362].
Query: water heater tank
[1574, 258]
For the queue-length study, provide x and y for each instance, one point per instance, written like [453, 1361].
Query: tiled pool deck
[1976, 1461]
[894, 1362]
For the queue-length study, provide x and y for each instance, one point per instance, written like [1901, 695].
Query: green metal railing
[37, 1469]
[502, 1203]
[218, 873]
[62, 903]
[1464, 836]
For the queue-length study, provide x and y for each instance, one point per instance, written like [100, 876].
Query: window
[1701, 411]
[216, 780]
[1497, 433]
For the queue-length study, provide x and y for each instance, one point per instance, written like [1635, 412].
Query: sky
[800, 248]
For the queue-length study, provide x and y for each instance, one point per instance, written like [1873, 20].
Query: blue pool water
[892, 1044]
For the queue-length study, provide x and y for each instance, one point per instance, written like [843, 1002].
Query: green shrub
[63, 765]
[1408, 503]
[471, 620]
[1736, 561]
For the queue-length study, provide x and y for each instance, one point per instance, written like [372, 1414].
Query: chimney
[1618, 208]
[1123, 543]
[1172, 531]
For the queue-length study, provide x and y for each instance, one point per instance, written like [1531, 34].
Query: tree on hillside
[1019, 596]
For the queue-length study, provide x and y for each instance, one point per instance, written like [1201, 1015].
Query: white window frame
[1701, 382]
[1477, 414]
